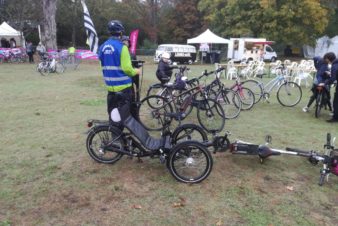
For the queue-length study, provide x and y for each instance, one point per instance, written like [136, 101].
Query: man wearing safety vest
[116, 66]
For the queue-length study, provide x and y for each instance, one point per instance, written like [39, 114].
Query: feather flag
[133, 41]
[92, 39]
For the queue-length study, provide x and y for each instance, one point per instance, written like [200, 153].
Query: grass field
[47, 177]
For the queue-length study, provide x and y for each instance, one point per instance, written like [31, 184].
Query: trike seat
[137, 129]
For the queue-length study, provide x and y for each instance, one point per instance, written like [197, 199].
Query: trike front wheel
[190, 162]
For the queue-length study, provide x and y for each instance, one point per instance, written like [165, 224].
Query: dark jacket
[334, 72]
[322, 68]
[164, 71]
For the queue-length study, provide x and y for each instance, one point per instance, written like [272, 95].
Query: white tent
[323, 45]
[208, 37]
[8, 32]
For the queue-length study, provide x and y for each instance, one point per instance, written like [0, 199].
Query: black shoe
[332, 120]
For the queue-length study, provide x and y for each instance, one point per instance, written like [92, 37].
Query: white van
[244, 49]
[178, 53]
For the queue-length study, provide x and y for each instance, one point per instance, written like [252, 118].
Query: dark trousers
[335, 104]
[115, 101]
[30, 55]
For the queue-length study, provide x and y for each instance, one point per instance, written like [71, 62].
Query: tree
[287, 21]
[24, 19]
[183, 21]
[48, 34]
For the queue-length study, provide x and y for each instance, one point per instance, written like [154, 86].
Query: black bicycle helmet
[115, 27]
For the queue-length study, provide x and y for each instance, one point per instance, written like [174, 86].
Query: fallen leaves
[181, 203]
[135, 206]
[290, 188]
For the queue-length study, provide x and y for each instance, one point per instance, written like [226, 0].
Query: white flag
[90, 29]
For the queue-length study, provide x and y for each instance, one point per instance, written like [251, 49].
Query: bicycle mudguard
[140, 132]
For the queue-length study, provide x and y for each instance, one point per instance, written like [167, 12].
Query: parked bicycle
[158, 109]
[69, 60]
[289, 93]
[322, 99]
[329, 159]
[49, 65]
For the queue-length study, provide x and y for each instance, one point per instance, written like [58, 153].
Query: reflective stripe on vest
[117, 88]
[111, 68]
[110, 79]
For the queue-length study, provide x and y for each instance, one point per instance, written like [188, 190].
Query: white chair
[231, 70]
[303, 73]
[247, 71]
[259, 69]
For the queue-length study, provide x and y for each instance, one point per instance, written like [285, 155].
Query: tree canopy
[169, 21]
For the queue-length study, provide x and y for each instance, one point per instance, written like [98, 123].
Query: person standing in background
[30, 52]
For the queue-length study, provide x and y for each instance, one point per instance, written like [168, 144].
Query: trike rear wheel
[102, 143]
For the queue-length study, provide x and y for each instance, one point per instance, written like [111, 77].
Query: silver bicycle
[289, 93]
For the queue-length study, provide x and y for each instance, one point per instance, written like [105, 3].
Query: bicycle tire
[247, 98]
[154, 113]
[97, 149]
[59, 68]
[255, 87]
[185, 158]
[214, 115]
[321, 179]
[188, 132]
[43, 69]
[319, 104]
[230, 102]
[292, 90]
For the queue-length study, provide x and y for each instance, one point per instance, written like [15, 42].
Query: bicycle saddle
[141, 133]
[264, 152]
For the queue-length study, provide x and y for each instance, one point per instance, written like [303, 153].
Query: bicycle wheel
[210, 115]
[319, 104]
[154, 112]
[42, 68]
[190, 162]
[188, 132]
[230, 102]
[321, 179]
[77, 63]
[247, 98]
[59, 68]
[102, 143]
[255, 87]
[289, 94]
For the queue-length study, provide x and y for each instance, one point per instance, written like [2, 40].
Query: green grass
[47, 177]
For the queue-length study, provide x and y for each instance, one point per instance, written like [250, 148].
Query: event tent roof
[6, 30]
[208, 37]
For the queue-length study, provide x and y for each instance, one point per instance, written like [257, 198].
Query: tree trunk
[49, 24]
